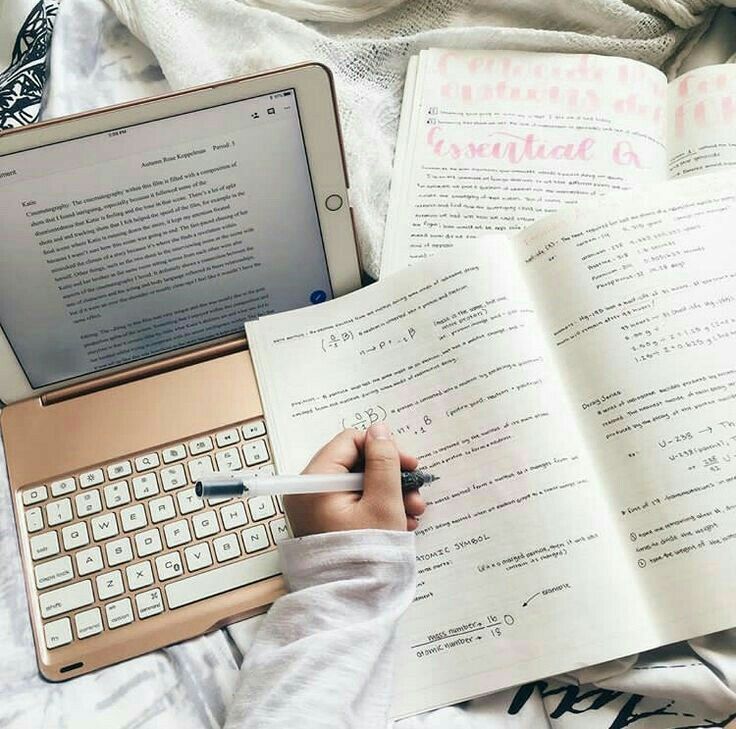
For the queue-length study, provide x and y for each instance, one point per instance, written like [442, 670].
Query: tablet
[142, 231]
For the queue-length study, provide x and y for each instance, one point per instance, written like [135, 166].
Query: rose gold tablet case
[120, 416]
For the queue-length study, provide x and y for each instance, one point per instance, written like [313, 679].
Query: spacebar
[222, 579]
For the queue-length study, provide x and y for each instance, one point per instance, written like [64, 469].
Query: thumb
[382, 479]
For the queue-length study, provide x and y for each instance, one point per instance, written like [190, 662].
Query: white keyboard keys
[116, 494]
[89, 561]
[188, 501]
[168, 566]
[139, 575]
[200, 445]
[104, 527]
[177, 533]
[88, 623]
[59, 512]
[200, 467]
[110, 585]
[233, 515]
[91, 478]
[149, 603]
[54, 572]
[261, 507]
[58, 633]
[119, 613]
[146, 462]
[34, 519]
[226, 438]
[229, 460]
[75, 535]
[268, 470]
[34, 495]
[279, 530]
[255, 452]
[205, 524]
[119, 470]
[254, 430]
[44, 545]
[226, 547]
[146, 485]
[119, 551]
[173, 477]
[63, 487]
[255, 539]
[198, 557]
[88, 503]
[229, 577]
[148, 542]
[174, 453]
[133, 517]
[63, 599]
[162, 509]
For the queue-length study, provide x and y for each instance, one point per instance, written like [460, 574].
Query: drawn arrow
[524, 604]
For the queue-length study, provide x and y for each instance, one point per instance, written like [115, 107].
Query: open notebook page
[497, 139]
[646, 336]
[517, 543]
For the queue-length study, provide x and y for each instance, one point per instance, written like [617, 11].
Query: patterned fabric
[22, 82]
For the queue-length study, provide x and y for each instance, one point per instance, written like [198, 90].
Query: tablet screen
[147, 239]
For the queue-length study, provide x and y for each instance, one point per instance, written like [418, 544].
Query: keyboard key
[44, 545]
[229, 460]
[279, 530]
[255, 452]
[88, 623]
[261, 507]
[144, 486]
[139, 575]
[173, 477]
[233, 515]
[118, 551]
[146, 462]
[148, 542]
[63, 599]
[226, 547]
[174, 453]
[75, 535]
[34, 519]
[119, 613]
[116, 494]
[176, 533]
[198, 557]
[205, 524]
[254, 430]
[59, 512]
[54, 572]
[149, 603]
[200, 445]
[34, 495]
[104, 527]
[255, 539]
[268, 470]
[168, 566]
[134, 517]
[88, 503]
[188, 501]
[110, 585]
[227, 437]
[91, 478]
[119, 470]
[89, 561]
[225, 578]
[162, 509]
[200, 467]
[58, 633]
[280, 504]
[65, 486]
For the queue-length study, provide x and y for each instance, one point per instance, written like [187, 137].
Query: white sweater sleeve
[323, 656]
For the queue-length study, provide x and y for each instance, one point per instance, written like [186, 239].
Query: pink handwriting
[555, 94]
[709, 112]
[624, 154]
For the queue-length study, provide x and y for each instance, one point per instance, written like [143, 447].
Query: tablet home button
[333, 202]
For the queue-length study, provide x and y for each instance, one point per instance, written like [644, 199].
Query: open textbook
[490, 141]
[574, 388]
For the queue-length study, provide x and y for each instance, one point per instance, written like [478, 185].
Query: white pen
[248, 483]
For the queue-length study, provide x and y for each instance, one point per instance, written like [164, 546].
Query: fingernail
[379, 431]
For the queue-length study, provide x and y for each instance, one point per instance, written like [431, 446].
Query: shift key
[55, 602]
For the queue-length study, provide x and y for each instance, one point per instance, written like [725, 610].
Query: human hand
[381, 505]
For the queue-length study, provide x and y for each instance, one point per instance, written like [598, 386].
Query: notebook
[573, 385]
[490, 141]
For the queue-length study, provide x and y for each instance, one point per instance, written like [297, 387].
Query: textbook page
[498, 139]
[646, 336]
[701, 121]
[517, 541]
